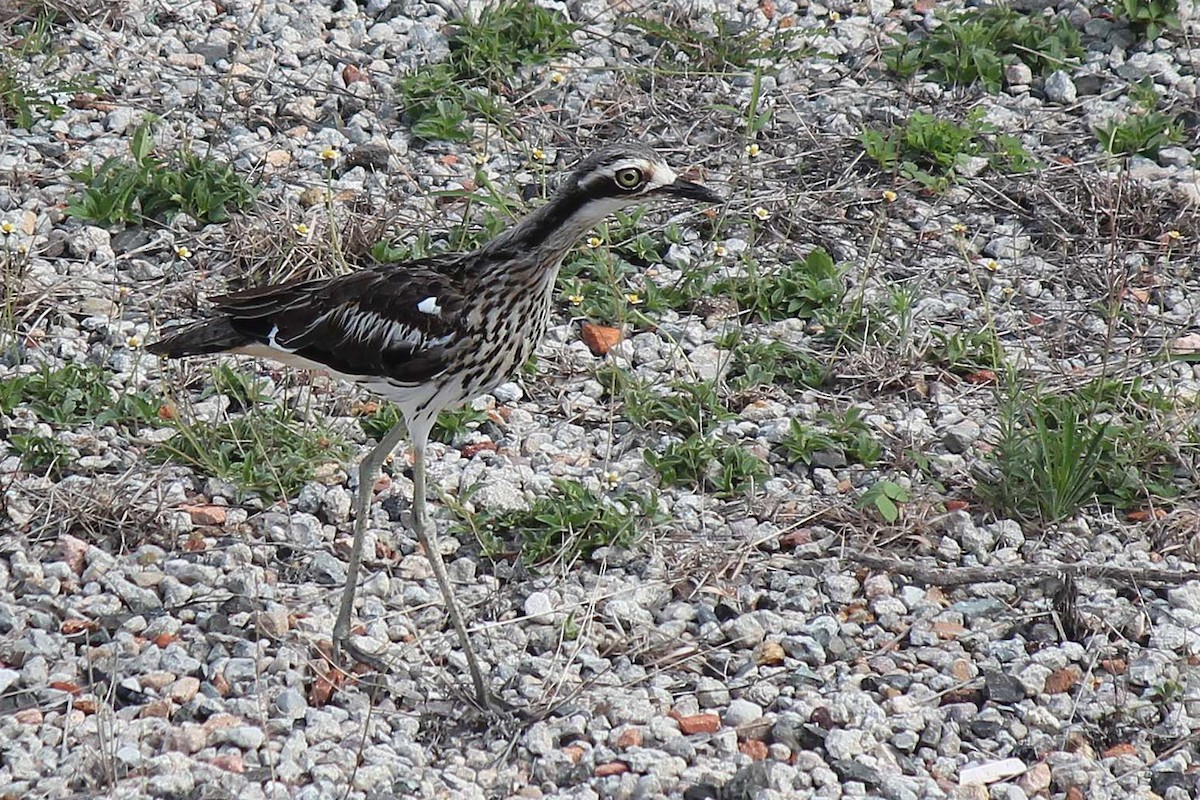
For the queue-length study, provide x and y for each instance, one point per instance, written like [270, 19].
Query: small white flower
[183, 252]
[762, 213]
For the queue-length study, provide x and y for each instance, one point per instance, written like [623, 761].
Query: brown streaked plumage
[432, 333]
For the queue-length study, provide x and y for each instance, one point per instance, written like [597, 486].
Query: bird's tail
[215, 335]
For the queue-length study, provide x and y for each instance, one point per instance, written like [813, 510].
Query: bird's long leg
[368, 473]
[427, 534]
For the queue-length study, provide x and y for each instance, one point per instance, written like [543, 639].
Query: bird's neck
[544, 236]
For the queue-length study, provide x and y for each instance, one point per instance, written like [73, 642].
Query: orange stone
[630, 737]
[207, 514]
[755, 749]
[573, 752]
[1122, 749]
[611, 768]
[600, 338]
[1063, 680]
[699, 723]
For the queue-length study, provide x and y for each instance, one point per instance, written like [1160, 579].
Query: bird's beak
[692, 191]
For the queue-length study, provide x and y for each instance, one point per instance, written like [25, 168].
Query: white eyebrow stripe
[662, 175]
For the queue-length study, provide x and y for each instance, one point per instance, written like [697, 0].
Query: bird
[431, 334]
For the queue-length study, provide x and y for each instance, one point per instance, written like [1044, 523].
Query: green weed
[761, 362]
[152, 188]
[574, 522]
[29, 86]
[725, 48]
[76, 395]
[1054, 454]
[812, 287]
[707, 463]
[975, 45]
[932, 151]
[686, 408]
[1150, 18]
[265, 451]
[485, 55]
[451, 424]
[838, 439]
[886, 497]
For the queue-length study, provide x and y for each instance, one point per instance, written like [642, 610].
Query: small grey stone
[247, 737]
[291, 703]
[1175, 157]
[499, 494]
[1002, 687]
[742, 712]
[1060, 88]
[744, 631]
[1017, 74]
[848, 743]
[539, 607]
[959, 437]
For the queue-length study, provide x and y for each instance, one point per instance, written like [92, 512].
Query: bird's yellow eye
[629, 178]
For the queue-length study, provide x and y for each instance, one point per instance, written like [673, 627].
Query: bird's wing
[389, 321]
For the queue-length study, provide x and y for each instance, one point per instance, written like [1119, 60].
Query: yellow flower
[594, 241]
[834, 16]
[612, 477]
[634, 299]
[575, 299]
[958, 227]
[1171, 234]
[7, 228]
[22, 248]
[329, 154]
[538, 154]
[301, 228]
[720, 250]
[480, 159]
[556, 77]
[889, 196]
[133, 341]
[183, 252]
[992, 265]
[1009, 291]
[753, 149]
[762, 213]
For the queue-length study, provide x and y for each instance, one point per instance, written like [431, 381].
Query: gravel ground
[162, 634]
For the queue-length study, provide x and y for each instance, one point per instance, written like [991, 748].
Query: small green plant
[885, 497]
[27, 92]
[1150, 18]
[707, 463]
[976, 45]
[151, 188]
[485, 57]
[451, 423]
[932, 151]
[1107, 442]
[762, 362]
[14, 264]
[964, 352]
[574, 522]
[76, 395]
[812, 287]
[44, 455]
[840, 439]
[686, 408]
[265, 451]
[1144, 132]
[725, 47]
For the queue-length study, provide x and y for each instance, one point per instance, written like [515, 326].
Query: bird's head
[631, 173]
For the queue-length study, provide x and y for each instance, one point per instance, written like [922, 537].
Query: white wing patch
[271, 340]
[429, 306]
